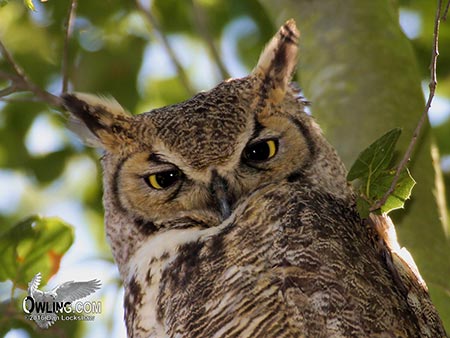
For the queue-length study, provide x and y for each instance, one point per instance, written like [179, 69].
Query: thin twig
[10, 77]
[68, 32]
[155, 25]
[203, 30]
[9, 59]
[7, 91]
[432, 86]
[20, 99]
[20, 81]
[447, 7]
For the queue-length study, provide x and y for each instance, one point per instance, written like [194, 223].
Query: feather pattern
[229, 215]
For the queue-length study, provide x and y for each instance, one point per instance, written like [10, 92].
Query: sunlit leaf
[35, 245]
[402, 191]
[29, 4]
[375, 158]
[371, 167]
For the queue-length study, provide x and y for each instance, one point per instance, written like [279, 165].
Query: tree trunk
[359, 71]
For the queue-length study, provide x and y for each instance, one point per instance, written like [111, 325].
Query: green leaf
[3, 3]
[401, 193]
[30, 5]
[34, 245]
[375, 158]
[363, 207]
[371, 167]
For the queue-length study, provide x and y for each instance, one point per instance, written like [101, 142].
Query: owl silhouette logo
[46, 307]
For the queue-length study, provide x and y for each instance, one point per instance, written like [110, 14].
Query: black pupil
[257, 152]
[167, 178]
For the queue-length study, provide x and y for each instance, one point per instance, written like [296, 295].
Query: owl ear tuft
[278, 60]
[98, 121]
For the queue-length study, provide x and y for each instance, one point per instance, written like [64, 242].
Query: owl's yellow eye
[261, 151]
[163, 180]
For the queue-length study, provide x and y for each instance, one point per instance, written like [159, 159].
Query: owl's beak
[219, 191]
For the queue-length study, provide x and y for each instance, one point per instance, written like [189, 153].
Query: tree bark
[359, 71]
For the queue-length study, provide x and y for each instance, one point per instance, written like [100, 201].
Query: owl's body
[229, 215]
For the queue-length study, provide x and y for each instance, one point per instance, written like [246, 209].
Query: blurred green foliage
[35, 244]
[108, 48]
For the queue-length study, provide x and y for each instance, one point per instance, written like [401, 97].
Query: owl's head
[192, 163]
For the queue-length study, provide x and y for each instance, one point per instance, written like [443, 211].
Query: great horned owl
[229, 215]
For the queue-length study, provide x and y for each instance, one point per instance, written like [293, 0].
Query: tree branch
[155, 25]
[447, 7]
[202, 29]
[9, 59]
[20, 82]
[7, 91]
[68, 32]
[432, 86]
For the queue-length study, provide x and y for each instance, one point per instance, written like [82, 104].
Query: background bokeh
[116, 50]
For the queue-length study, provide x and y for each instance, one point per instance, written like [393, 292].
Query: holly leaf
[36, 244]
[398, 197]
[372, 168]
[374, 159]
